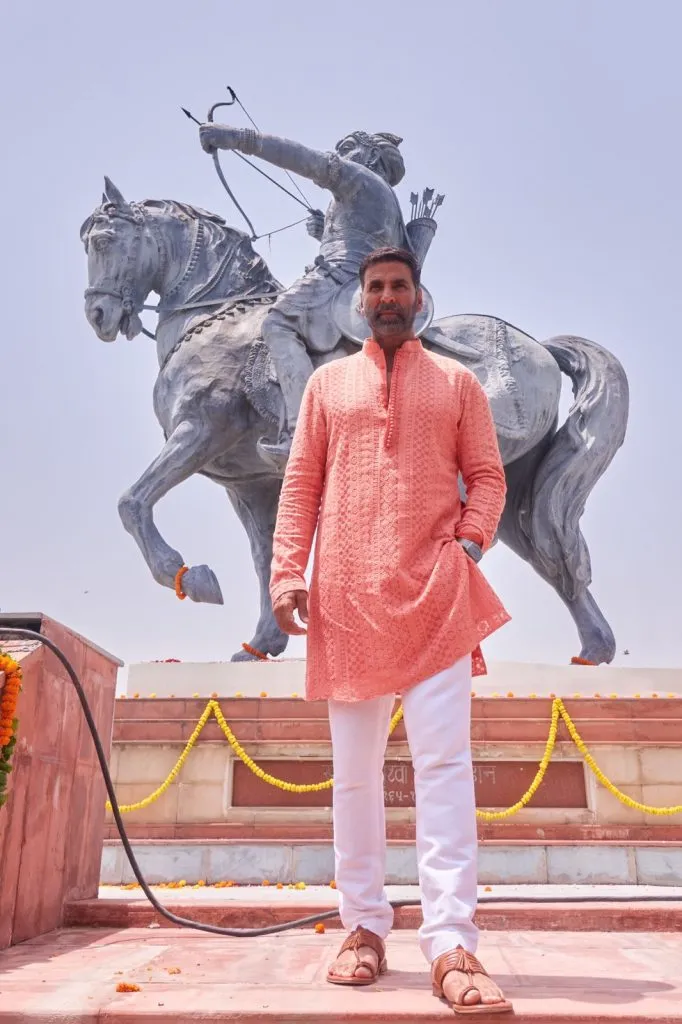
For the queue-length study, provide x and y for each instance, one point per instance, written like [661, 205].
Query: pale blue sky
[554, 129]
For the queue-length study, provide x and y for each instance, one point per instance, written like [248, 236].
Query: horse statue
[216, 395]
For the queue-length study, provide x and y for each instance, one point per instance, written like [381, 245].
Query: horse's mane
[171, 207]
[175, 208]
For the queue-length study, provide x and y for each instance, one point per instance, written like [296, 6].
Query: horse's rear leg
[255, 502]
[185, 452]
[598, 644]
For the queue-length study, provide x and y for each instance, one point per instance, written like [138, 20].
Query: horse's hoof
[272, 647]
[201, 584]
[242, 655]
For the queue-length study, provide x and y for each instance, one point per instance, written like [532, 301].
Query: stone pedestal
[51, 829]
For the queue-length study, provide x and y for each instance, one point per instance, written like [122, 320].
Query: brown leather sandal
[466, 963]
[356, 939]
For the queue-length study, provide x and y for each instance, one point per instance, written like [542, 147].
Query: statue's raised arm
[363, 215]
[326, 170]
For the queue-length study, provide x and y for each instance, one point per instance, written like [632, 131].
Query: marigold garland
[254, 652]
[179, 592]
[9, 696]
[558, 711]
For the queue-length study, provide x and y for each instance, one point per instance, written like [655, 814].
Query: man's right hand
[293, 601]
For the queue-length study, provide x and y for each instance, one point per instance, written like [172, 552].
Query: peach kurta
[394, 598]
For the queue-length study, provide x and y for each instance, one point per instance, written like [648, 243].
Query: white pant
[438, 723]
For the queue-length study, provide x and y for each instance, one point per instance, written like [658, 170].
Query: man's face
[390, 301]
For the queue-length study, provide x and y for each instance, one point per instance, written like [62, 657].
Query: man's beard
[392, 319]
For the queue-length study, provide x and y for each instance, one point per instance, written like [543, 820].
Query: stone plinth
[51, 827]
[286, 676]
[636, 742]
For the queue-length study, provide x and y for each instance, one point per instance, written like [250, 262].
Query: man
[364, 215]
[397, 605]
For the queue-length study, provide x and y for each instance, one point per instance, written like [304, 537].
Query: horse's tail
[576, 457]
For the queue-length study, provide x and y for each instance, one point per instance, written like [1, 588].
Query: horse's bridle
[127, 293]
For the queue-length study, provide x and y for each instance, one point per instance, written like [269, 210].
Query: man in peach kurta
[397, 605]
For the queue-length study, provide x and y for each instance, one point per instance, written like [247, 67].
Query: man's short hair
[391, 255]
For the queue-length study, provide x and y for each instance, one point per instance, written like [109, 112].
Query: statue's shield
[353, 325]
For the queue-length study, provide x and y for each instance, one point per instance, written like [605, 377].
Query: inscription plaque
[497, 784]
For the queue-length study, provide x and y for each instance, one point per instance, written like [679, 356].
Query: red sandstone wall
[51, 829]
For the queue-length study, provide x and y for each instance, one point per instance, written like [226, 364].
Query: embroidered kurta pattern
[394, 598]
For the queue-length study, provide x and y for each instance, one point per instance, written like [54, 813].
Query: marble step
[286, 861]
[501, 908]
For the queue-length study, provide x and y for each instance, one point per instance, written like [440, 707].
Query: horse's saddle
[490, 348]
[487, 346]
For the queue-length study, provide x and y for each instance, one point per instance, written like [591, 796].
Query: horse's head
[122, 262]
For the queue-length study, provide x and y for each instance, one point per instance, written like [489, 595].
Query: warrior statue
[235, 350]
[364, 215]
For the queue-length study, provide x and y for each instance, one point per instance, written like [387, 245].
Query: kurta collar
[375, 352]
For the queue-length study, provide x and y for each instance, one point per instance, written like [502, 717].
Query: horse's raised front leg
[185, 452]
[255, 502]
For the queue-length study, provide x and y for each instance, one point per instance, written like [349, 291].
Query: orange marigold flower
[125, 986]
[319, 928]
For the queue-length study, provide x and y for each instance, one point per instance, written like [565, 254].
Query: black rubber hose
[29, 634]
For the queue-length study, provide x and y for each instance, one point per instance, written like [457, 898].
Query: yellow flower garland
[624, 799]
[558, 711]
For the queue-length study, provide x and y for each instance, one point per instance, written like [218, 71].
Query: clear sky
[554, 129]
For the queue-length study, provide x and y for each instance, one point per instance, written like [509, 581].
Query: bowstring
[289, 176]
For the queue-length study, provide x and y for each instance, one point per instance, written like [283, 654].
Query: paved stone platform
[558, 978]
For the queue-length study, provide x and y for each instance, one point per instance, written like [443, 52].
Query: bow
[223, 180]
